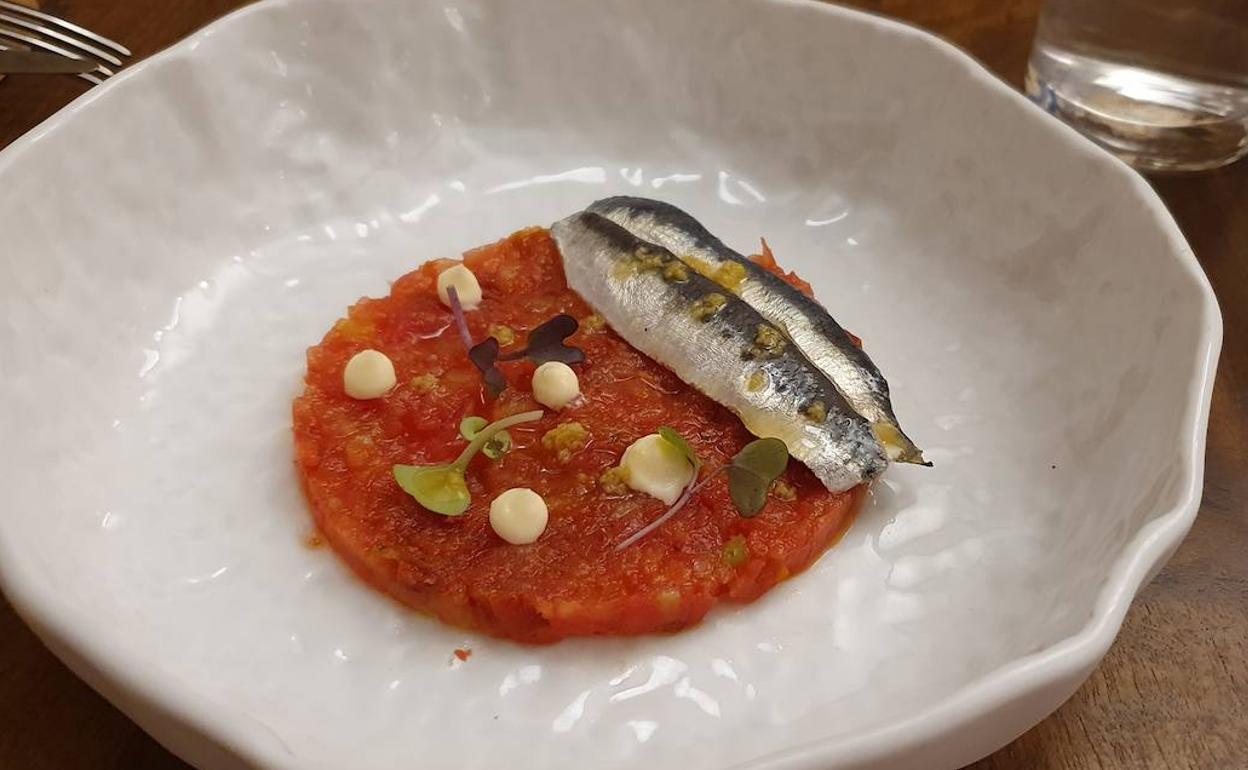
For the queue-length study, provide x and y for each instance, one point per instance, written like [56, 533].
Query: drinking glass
[1163, 84]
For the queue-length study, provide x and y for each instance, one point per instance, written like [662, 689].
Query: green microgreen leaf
[470, 426]
[752, 472]
[485, 434]
[440, 488]
[443, 488]
[497, 446]
[675, 439]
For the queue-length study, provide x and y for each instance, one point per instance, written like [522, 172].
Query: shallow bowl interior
[171, 244]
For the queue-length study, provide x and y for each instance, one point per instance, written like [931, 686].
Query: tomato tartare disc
[572, 581]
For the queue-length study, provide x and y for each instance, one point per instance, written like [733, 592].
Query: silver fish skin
[719, 345]
[815, 332]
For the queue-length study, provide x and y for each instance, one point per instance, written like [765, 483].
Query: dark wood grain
[1173, 692]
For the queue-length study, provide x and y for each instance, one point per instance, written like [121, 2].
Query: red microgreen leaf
[546, 343]
[483, 355]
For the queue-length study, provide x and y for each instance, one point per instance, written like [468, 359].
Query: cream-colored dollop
[519, 516]
[369, 374]
[655, 466]
[555, 385]
[466, 287]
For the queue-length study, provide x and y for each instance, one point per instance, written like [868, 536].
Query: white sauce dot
[519, 516]
[369, 374]
[466, 287]
[656, 467]
[555, 385]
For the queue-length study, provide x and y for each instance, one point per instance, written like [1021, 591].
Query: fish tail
[898, 445]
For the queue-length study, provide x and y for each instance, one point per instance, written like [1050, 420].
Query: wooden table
[1172, 693]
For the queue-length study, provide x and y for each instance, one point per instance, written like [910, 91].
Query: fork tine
[35, 42]
[74, 28]
[9, 18]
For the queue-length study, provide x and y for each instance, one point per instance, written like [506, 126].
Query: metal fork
[25, 27]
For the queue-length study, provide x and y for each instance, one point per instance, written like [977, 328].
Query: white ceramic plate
[174, 240]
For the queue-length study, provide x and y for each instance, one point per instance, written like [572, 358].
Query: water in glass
[1161, 83]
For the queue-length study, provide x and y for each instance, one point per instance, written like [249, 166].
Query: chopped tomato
[572, 581]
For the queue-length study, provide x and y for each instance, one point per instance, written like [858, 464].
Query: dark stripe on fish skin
[669, 217]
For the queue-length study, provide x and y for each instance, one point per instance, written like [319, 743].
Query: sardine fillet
[807, 323]
[719, 345]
